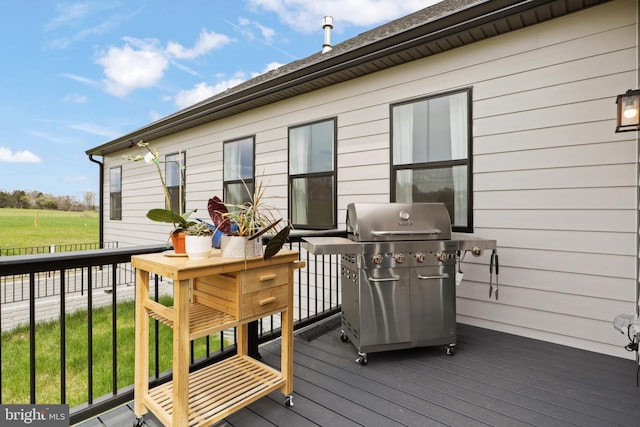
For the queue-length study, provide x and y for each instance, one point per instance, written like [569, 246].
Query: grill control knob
[420, 257]
[441, 256]
[399, 258]
[377, 259]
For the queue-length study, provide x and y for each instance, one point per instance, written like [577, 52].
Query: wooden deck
[494, 379]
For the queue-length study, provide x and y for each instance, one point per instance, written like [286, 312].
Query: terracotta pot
[177, 239]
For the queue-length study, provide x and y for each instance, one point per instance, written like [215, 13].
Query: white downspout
[637, 177]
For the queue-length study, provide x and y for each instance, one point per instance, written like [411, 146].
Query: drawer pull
[267, 277]
[267, 301]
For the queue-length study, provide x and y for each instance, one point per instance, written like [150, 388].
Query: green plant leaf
[162, 215]
[166, 215]
[276, 242]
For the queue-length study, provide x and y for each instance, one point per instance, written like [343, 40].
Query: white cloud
[75, 99]
[8, 156]
[306, 16]
[155, 115]
[78, 21]
[272, 66]
[141, 63]
[186, 69]
[268, 33]
[49, 137]
[227, 84]
[205, 43]
[80, 79]
[68, 14]
[199, 92]
[202, 91]
[127, 69]
[246, 27]
[96, 130]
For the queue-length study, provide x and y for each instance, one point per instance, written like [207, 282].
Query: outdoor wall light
[628, 111]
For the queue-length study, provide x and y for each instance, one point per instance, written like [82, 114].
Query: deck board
[494, 379]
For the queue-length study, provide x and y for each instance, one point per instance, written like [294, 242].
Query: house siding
[555, 185]
[552, 182]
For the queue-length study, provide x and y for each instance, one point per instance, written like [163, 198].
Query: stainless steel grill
[398, 275]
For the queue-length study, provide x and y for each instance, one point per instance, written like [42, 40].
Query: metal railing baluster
[63, 339]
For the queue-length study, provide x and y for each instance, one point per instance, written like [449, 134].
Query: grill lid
[375, 222]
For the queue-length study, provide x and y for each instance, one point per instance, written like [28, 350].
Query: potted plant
[179, 219]
[247, 223]
[198, 240]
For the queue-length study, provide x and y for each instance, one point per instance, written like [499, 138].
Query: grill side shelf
[469, 242]
[331, 246]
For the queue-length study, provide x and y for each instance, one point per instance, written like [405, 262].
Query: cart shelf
[218, 390]
[203, 320]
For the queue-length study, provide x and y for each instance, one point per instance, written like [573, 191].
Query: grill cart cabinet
[211, 295]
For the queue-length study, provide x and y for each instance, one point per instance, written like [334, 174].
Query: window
[115, 193]
[431, 142]
[312, 177]
[238, 161]
[174, 172]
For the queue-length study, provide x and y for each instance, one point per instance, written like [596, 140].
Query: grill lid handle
[405, 232]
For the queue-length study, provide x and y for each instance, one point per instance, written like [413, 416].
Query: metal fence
[53, 248]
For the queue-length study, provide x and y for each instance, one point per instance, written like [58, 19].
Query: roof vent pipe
[327, 26]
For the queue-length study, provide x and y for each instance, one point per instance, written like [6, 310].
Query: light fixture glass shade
[628, 118]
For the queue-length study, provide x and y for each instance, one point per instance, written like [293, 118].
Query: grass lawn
[35, 227]
[15, 356]
[30, 228]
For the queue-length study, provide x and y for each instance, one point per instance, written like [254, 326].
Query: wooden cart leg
[287, 352]
[141, 343]
[286, 361]
[181, 353]
[243, 339]
[287, 340]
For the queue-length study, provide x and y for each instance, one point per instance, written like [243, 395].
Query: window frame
[333, 174]
[182, 171]
[115, 195]
[249, 182]
[442, 164]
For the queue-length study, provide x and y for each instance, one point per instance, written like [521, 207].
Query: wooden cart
[211, 295]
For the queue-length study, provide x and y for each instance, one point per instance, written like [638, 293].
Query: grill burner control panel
[406, 259]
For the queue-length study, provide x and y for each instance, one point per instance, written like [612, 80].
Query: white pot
[198, 247]
[240, 247]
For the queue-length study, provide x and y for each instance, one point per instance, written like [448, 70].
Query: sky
[75, 75]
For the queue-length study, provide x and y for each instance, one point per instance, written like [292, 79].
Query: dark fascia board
[458, 16]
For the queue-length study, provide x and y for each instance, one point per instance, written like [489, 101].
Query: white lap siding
[552, 182]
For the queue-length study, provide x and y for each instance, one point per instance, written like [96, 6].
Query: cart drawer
[263, 278]
[264, 301]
